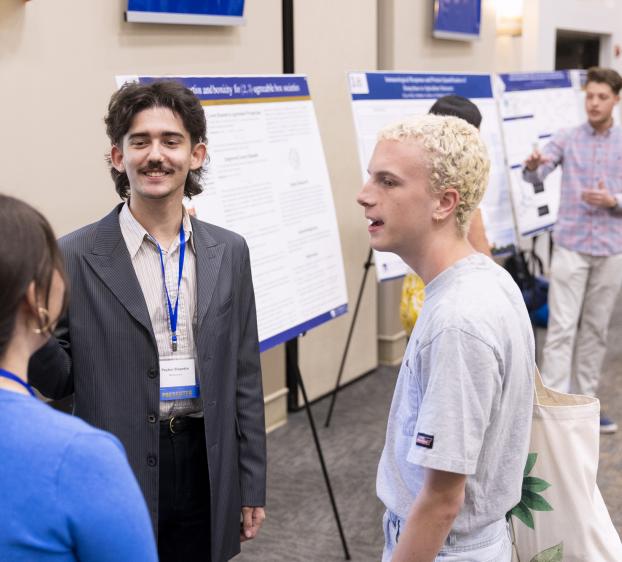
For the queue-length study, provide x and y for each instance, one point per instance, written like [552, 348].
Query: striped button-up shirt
[587, 157]
[146, 261]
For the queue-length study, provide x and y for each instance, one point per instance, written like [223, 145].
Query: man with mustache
[587, 260]
[159, 345]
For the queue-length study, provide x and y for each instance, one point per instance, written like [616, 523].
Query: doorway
[575, 49]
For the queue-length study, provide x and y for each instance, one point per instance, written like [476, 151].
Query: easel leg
[293, 367]
[333, 399]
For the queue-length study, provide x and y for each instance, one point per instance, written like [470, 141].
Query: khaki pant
[582, 287]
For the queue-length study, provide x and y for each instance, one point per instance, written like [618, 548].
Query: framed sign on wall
[189, 12]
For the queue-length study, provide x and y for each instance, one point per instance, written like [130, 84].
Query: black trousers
[184, 500]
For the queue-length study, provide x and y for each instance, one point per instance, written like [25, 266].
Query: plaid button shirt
[586, 157]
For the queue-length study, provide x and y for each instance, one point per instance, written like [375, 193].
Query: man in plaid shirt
[586, 269]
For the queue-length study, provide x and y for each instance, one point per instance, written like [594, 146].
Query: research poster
[381, 98]
[534, 105]
[267, 179]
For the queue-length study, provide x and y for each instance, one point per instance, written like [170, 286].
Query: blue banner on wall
[397, 85]
[205, 7]
[457, 19]
[208, 12]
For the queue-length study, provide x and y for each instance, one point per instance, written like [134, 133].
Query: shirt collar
[135, 234]
[590, 130]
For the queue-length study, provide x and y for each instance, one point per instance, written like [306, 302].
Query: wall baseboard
[275, 406]
[391, 348]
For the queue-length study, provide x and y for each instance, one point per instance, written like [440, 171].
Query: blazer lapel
[111, 262]
[209, 257]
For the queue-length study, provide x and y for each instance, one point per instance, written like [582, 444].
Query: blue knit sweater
[66, 490]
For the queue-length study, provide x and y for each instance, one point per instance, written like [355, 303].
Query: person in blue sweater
[66, 490]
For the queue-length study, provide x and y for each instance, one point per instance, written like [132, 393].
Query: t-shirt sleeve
[105, 509]
[463, 385]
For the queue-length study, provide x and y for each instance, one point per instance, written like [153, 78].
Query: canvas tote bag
[562, 515]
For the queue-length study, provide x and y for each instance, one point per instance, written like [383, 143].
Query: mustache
[155, 166]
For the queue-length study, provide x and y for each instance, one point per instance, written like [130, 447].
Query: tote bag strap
[539, 390]
[545, 396]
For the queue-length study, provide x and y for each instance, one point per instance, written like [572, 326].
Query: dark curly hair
[131, 99]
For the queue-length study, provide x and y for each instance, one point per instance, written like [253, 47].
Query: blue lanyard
[172, 312]
[15, 378]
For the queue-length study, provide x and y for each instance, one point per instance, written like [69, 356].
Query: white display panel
[267, 180]
[534, 105]
[381, 98]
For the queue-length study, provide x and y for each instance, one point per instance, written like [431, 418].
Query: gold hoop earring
[44, 321]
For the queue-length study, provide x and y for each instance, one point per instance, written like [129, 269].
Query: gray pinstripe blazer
[105, 354]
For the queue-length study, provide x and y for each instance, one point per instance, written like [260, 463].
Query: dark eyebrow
[140, 135]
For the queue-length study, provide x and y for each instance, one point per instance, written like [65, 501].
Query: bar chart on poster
[381, 98]
[267, 180]
[534, 105]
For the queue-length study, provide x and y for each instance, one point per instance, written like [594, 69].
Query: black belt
[180, 424]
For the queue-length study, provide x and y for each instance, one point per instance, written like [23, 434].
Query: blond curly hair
[457, 158]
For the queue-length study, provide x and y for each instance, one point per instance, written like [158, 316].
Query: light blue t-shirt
[464, 395]
[67, 492]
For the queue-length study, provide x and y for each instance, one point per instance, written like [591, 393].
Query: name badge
[177, 379]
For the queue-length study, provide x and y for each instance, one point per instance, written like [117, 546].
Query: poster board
[267, 180]
[381, 98]
[534, 105]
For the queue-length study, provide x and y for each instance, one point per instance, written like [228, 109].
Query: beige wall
[54, 156]
[406, 42]
[544, 17]
[58, 60]
[332, 37]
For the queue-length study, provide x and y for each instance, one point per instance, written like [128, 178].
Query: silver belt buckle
[170, 425]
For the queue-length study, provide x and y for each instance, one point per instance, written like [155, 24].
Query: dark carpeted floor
[300, 524]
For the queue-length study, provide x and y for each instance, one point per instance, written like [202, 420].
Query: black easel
[366, 266]
[293, 370]
[291, 347]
